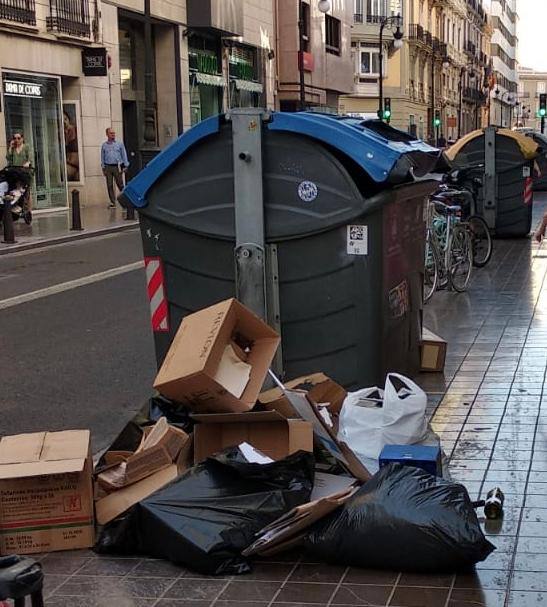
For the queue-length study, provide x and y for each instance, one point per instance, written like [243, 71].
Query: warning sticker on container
[357, 240]
[526, 171]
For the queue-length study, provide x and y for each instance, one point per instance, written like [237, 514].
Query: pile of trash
[215, 470]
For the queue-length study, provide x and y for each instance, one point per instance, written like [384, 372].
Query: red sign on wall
[306, 62]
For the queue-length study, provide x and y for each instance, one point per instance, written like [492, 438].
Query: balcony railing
[69, 17]
[19, 11]
[474, 95]
[417, 32]
[358, 18]
[471, 48]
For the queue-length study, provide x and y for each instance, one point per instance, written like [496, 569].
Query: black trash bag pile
[403, 519]
[208, 516]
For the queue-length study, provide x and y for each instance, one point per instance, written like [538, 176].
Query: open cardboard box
[46, 493]
[267, 431]
[218, 359]
[108, 506]
[159, 448]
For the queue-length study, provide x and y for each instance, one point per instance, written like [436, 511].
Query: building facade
[504, 52]
[531, 85]
[149, 68]
[439, 71]
[323, 59]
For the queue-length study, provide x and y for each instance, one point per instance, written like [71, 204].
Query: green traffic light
[542, 112]
[437, 122]
[387, 113]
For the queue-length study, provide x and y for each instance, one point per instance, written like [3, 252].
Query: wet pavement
[491, 413]
[55, 226]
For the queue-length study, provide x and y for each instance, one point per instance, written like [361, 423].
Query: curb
[16, 248]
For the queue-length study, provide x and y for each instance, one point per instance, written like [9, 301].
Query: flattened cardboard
[326, 435]
[320, 389]
[433, 352]
[46, 493]
[116, 503]
[267, 431]
[287, 531]
[187, 374]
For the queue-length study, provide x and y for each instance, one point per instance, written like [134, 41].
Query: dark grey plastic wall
[352, 317]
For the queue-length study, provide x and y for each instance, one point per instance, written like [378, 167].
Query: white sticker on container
[526, 171]
[357, 240]
[307, 191]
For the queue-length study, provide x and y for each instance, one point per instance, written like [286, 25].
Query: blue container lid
[378, 155]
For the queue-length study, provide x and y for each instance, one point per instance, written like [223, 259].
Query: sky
[532, 30]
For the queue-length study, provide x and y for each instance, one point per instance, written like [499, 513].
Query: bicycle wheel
[460, 258]
[481, 239]
[431, 269]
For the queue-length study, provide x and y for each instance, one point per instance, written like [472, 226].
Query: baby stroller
[14, 187]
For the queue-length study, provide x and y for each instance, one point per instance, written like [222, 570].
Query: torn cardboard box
[159, 448]
[324, 432]
[46, 494]
[218, 359]
[267, 431]
[433, 352]
[320, 389]
[287, 531]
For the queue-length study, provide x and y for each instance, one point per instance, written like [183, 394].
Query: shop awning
[210, 79]
[247, 85]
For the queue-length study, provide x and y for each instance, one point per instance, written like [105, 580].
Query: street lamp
[324, 6]
[397, 43]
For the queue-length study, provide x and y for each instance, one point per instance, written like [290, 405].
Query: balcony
[18, 11]
[70, 17]
[418, 34]
[441, 48]
[470, 48]
[473, 95]
[358, 18]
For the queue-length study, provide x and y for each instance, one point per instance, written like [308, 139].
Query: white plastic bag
[366, 425]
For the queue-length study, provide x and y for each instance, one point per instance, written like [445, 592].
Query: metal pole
[381, 80]
[433, 130]
[542, 124]
[7, 220]
[76, 215]
[301, 55]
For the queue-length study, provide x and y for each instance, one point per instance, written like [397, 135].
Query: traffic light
[542, 105]
[437, 119]
[387, 109]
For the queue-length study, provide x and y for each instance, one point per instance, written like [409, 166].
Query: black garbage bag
[208, 516]
[403, 519]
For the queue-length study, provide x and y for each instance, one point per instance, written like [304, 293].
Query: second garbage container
[314, 221]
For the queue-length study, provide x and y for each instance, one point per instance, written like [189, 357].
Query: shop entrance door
[131, 136]
[33, 107]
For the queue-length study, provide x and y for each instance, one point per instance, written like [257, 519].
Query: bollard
[76, 215]
[130, 212]
[7, 220]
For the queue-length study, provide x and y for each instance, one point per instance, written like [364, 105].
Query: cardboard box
[204, 367]
[420, 456]
[433, 352]
[108, 507]
[319, 387]
[287, 531]
[46, 492]
[159, 448]
[267, 431]
[324, 433]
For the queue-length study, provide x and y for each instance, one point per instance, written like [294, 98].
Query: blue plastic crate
[427, 458]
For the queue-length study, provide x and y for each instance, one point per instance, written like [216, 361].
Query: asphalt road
[82, 357]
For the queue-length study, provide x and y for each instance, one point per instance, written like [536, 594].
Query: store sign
[207, 64]
[16, 88]
[306, 61]
[94, 62]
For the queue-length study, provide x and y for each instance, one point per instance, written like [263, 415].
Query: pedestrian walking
[114, 164]
[441, 143]
[20, 155]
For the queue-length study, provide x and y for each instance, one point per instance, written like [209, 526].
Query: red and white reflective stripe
[156, 294]
[528, 191]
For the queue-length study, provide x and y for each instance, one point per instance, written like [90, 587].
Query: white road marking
[67, 286]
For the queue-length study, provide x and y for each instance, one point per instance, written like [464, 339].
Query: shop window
[332, 39]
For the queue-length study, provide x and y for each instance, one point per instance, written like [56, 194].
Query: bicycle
[449, 250]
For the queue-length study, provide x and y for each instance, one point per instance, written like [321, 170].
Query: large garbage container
[507, 160]
[311, 220]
